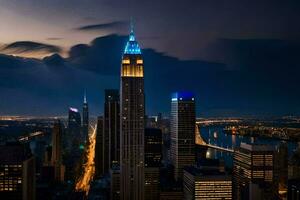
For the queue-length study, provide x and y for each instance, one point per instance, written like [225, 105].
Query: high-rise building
[153, 156]
[101, 150]
[56, 158]
[17, 172]
[206, 184]
[74, 128]
[85, 118]
[132, 122]
[254, 174]
[111, 126]
[183, 119]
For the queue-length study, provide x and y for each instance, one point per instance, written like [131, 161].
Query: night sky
[240, 58]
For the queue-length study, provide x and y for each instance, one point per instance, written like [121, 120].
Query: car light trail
[83, 182]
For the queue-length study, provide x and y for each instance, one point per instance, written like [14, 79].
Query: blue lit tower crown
[132, 112]
[132, 62]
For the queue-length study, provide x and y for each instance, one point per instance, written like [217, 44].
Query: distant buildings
[254, 174]
[206, 184]
[17, 172]
[85, 118]
[132, 122]
[183, 118]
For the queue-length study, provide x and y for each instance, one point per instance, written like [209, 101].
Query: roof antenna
[131, 36]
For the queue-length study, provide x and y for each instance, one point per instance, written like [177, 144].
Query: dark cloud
[103, 26]
[30, 46]
[247, 77]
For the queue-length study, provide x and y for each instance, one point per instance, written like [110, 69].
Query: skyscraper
[74, 141]
[183, 118]
[254, 176]
[101, 150]
[112, 125]
[56, 158]
[132, 122]
[74, 127]
[17, 172]
[85, 118]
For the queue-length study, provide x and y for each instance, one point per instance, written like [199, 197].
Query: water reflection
[216, 136]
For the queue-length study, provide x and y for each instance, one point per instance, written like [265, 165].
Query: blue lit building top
[132, 46]
[183, 96]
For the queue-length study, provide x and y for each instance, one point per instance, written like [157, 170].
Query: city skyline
[129, 154]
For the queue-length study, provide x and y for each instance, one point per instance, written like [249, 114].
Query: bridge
[200, 141]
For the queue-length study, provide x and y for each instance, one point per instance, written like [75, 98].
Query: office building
[132, 122]
[101, 151]
[206, 184]
[183, 118]
[56, 158]
[74, 129]
[17, 172]
[153, 156]
[111, 126]
[254, 174]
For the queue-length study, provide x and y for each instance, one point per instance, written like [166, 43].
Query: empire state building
[132, 122]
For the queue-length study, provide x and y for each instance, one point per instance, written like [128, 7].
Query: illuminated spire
[131, 35]
[132, 47]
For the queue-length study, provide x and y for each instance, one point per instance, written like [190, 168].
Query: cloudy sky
[239, 57]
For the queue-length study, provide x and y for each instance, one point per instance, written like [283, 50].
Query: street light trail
[83, 183]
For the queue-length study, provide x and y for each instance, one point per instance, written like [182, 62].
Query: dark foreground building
[254, 174]
[17, 172]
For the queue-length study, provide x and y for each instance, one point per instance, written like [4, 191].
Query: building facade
[74, 129]
[183, 119]
[56, 158]
[153, 157]
[101, 150]
[254, 172]
[206, 184]
[111, 125]
[132, 126]
[17, 172]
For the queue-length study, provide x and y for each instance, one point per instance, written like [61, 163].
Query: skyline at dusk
[239, 58]
[149, 100]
